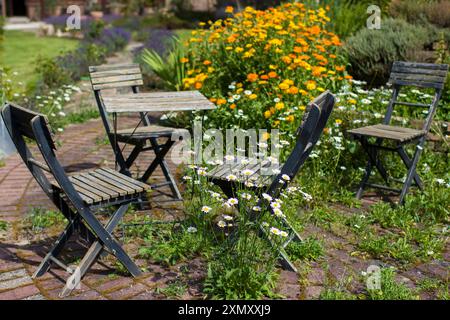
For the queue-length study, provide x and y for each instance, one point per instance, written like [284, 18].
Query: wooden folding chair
[264, 180]
[77, 196]
[144, 137]
[421, 75]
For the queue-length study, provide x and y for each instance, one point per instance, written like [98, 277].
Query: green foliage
[39, 219]
[52, 74]
[391, 289]
[173, 248]
[174, 289]
[334, 294]
[170, 69]
[372, 52]
[228, 280]
[309, 249]
[3, 225]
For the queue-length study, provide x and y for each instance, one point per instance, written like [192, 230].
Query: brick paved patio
[20, 255]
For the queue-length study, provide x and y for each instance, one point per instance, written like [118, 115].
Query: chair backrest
[308, 134]
[421, 75]
[22, 123]
[115, 76]
[425, 75]
[325, 102]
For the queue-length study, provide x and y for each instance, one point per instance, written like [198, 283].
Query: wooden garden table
[143, 103]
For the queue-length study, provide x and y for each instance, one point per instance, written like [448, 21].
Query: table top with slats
[157, 102]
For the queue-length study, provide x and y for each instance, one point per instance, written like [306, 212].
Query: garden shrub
[262, 67]
[419, 11]
[372, 52]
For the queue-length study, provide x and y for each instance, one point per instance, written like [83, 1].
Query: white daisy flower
[192, 229]
[206, 209]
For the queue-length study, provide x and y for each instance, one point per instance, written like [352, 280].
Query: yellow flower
[283, 86]
[184, 60]
[252, 96]
[267, 114]
[352, 101]
[265, 136]
[279, 106]
[239, 49]
[290, 118]
[311, 85]
[338, 121]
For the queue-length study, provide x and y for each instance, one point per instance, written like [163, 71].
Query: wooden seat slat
[97, 181]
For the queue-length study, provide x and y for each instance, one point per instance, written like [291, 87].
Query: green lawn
[20, 50]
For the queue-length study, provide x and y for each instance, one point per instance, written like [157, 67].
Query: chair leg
[54, 252]
[364, 180]
[133, 156]
[411, 172]
[408, 162]
[94, 251]
[160, 152]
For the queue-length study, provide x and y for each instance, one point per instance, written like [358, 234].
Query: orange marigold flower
[290, 118]
[272, 74]
[233, 106]
[229, 9]
[293, 90]
[198, 85]
[221, 101]
[184, 60]
[207, 62]
[252, 77]
[340, 68]
[264, 77]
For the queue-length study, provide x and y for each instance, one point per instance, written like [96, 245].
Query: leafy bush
[420, 11]
[261, 67]
[170, 69]
[372, 52]
[348, 16]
